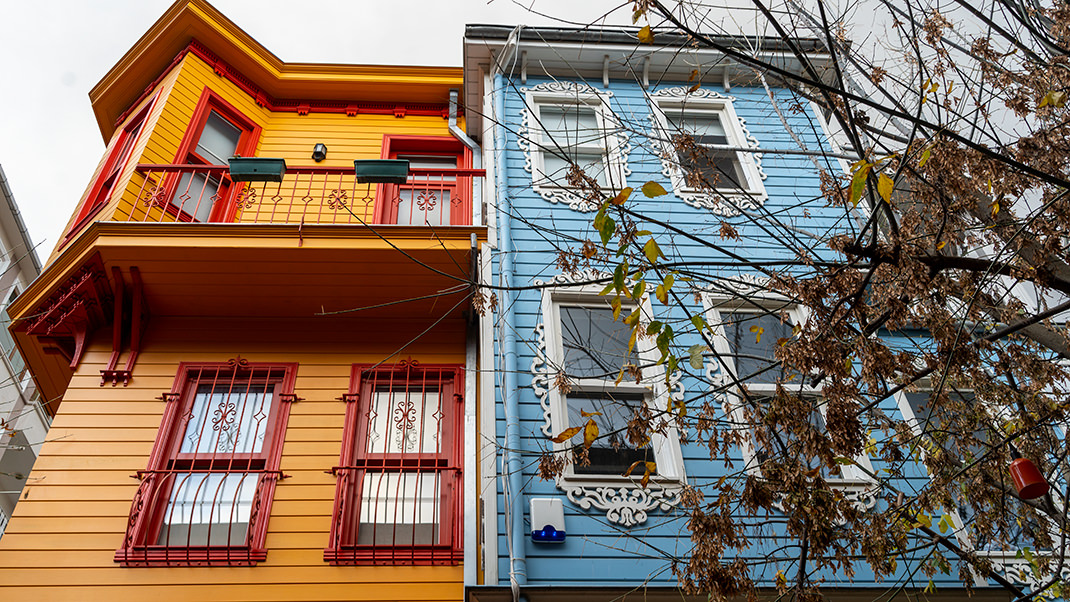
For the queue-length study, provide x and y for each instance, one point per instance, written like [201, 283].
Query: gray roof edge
[663, 38]
[9, 208]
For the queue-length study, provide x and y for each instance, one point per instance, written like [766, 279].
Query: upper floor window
[748, 330]
[115, 162]
[432, 196]
[217, 131]
[14, 359]
[398, 497]
[928, 414]
[566, 125]
[206, 495]
[702, 143]
[588, 349]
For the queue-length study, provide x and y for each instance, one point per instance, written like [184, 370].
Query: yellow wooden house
[261, 370]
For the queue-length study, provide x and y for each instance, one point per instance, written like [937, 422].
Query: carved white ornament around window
[723, 203]
[617, 151]
[1019, 571]
[627, 503]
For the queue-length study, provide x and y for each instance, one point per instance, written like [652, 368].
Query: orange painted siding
[77, 501]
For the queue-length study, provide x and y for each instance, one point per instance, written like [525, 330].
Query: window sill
[393, 555]
[192, 556]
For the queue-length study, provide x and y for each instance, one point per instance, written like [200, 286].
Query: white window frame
[534, 140]
[718, 309]
[748, 197]
[667, 454]
[961, 530]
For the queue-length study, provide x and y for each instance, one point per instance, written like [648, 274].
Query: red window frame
[223, 208]
[460, 188]
[100, 191]
[356, 462]
[168, 465]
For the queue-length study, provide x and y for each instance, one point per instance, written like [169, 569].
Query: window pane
[705, 129]
[594, 345]
[424, 206]
[195, 195]
[611, 453]
[706, 168]
[218, 140]
[753, 338]
[432, 162]
[404, 422]
[228, 418]
[208, 509]
[569, 125]
[556, 168]
[399, 509]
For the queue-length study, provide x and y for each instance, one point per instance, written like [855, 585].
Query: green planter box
[381, 171]
[257, 169]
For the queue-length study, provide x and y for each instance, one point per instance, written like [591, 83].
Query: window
[566, 124]
[749, 330]
[115, 162]
[11, 353]
[922, 411]
[206, 495]
[398, 497]
[589, 349]
[216, 132]
[700, 138]
[431, 196]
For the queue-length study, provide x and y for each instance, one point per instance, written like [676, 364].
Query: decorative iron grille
[398, 495]
[205, 496]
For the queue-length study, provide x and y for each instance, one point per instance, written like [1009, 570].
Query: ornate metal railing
[308, 195]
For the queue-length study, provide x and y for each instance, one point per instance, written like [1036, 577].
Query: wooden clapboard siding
[60, 542]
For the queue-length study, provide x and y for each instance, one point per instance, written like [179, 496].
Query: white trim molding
[609, 139]
[726, 201]
[623, 499]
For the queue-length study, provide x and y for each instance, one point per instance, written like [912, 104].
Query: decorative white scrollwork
[722, 203]
[617, 145]
[626, 506]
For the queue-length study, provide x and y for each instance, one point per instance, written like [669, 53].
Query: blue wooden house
[559, 521]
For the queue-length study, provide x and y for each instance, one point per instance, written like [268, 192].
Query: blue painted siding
[598, 552]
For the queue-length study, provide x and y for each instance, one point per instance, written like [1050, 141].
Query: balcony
[188, 241]
[306, 195]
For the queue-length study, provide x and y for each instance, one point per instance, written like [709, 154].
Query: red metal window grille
[206, 495]
[398, 496]
[432, 195]
[118, 156]
[217, 132]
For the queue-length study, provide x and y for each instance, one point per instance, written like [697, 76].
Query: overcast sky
[53, 51]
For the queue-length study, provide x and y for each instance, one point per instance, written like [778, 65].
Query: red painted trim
[150, 502]
[224, 209]
[354, 461]
[393, 145]
[118, 154]
[303, 107]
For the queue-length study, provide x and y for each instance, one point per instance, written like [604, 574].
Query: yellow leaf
[757, 330]
[925, 154]
[567, 434]
[693, 76]
[858, 182]
[645, 35]
[643, 482]
[995, 208]
[884, 187]
[632, 319]
[652, 251]
[694, 88]
[1054, 99]
[622, 196]
[590, 432]
[587, 414]
[632, 468]
[653, 189]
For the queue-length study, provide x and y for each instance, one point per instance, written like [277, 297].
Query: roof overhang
[188, 20]
[593, 54]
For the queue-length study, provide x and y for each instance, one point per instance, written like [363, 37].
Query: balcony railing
[308, 195]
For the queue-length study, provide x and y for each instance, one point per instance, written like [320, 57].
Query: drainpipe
[477, 161]
[471, 489]
[518, 573]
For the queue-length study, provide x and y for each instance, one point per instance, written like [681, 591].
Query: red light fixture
[1027, 478]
